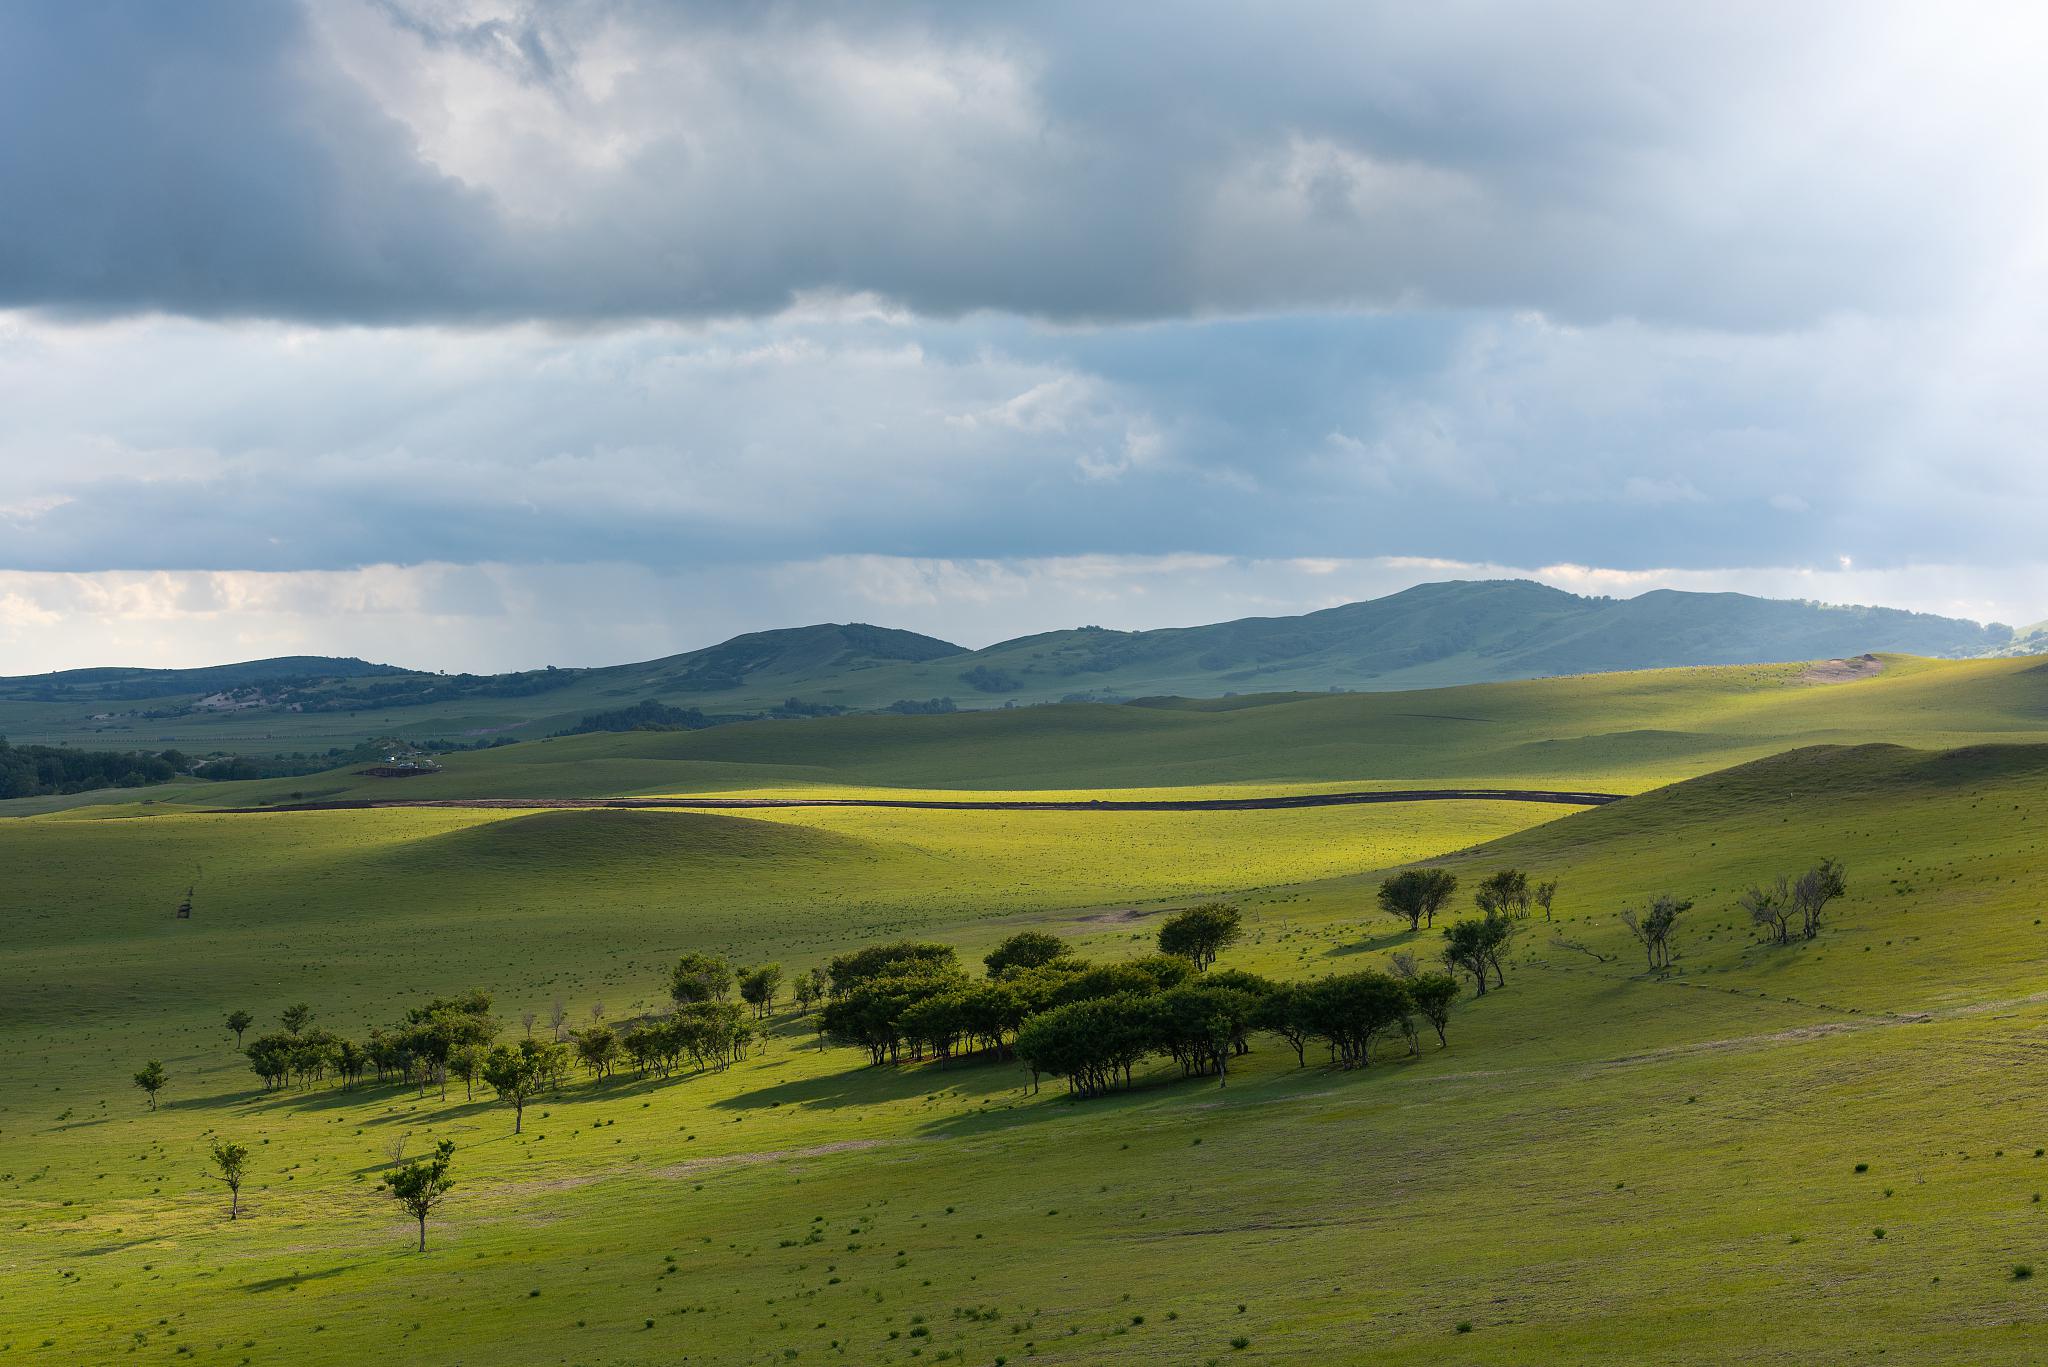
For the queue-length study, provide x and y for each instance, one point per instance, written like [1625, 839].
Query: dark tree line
[44, 770]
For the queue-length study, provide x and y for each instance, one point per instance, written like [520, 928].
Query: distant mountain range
[1427, 636]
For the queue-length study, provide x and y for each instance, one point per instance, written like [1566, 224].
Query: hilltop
[1430, 636]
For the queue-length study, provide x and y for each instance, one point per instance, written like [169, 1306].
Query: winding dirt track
[1193, 804]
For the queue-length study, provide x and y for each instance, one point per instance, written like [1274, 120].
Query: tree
[421, 1185]
[442, 1033]
[558, 1017]
[1200, 933]
[1433, 994]
[597, 1048]
[151, 1080]
[1653, 927]
[1473, 945]
[1546, 893]
[1351, 1012]
[1025, 949]
[1504, 894]
[526, 1019]
[1812, 892]
[296, 1018]
[700, 978]
[466, 1061]
[759, 986]
[516, 1074]
[807, 991]
[238, 1021]
[232, 1160]
[1280, 1012]
[904, 957]
[1417, 894]
[1770, 909]
[350, 1059]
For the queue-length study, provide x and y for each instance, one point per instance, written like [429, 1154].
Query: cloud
[395, 160]
[1005, 315]
[172, 444]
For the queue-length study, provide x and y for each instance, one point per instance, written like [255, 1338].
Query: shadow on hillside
[1005, 1101]
[869, 1085]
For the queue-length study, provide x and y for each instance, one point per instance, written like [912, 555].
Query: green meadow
[1825, 1151]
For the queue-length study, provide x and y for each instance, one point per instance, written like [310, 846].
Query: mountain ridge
[1429, 635]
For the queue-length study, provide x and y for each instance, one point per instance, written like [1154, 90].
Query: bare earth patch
[1843, 671]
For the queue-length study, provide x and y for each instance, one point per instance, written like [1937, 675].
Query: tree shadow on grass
[290, 1280]
[1393, 939]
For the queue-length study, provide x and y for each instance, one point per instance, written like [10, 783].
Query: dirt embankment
[1842, 671]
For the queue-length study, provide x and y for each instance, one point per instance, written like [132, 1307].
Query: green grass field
[1604, 1165]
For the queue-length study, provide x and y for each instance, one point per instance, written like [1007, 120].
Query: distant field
[1611, 732]
[1605, 1166]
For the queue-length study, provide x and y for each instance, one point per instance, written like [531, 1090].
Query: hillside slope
[1608, 733]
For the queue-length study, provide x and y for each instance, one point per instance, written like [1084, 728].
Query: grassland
[1603, 1166]
[1611, 733]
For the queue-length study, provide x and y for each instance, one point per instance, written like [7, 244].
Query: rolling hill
[1824, 1151]
[1433, 635]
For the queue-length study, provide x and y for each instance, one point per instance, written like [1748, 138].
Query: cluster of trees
[922, 707]
[711, 1036]
[1473, 945]
[42, 770]
[448, 1035]
[1201, 1024]
[649, 714]
[1774, 907]
[1093, 1024]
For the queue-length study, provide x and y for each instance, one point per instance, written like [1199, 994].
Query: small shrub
[1464, 1326]
[2022, 1271]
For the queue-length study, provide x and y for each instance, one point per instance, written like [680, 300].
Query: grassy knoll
[1602, 1167]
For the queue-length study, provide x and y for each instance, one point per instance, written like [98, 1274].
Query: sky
[472, 334]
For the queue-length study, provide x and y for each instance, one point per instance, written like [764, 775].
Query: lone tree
[238, 1021]
[1200, 933]
[1433, 994]
[232, 1161]
[1504, 894]
[700, 978]
[1025, 949]
[151, 1080]
[517, 1073]
[1417, 895]
[1653, 927]
[1546, 893]
[296, 1018]
[1815, 888]
[420, 1185]
[759, 986]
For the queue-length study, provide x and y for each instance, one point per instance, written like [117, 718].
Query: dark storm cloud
[588, 161]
